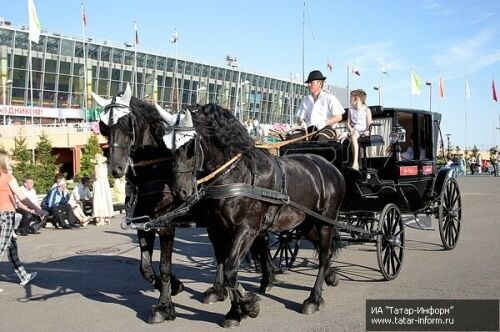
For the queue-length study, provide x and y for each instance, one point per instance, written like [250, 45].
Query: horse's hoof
[215, 294]
[252, 310]
[250, 305]
[161, 313]
[332, 278]
[310, 306]
[230, 323]
[156, 318]
[177, 287]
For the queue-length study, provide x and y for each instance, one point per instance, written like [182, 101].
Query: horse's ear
[169, 118]
[127, 95]
[103, 129]
[187, 120]
[100, 100]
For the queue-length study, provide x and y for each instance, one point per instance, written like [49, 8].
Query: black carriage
[399, 184]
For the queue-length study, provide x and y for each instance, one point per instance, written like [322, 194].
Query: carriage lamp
[398, 135]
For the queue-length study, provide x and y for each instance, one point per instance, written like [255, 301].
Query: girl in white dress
[358, 121]
[102, 201]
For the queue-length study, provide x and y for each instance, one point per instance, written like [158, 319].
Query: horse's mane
[145, 115]
[221, 128]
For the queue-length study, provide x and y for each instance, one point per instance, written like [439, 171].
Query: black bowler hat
[315, 75]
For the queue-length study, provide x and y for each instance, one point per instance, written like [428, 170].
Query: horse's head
[188, 155]
[117, 124]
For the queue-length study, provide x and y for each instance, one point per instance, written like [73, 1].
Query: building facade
[61, 84]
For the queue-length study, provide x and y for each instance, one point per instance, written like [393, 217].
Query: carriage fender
[443, 174]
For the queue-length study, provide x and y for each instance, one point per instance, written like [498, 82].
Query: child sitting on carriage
[359, 119]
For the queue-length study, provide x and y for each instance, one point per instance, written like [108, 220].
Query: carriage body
[385, 177]
[393, 189]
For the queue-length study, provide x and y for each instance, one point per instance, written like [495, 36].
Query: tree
[87, 162]
[45, 164]
[22, 155]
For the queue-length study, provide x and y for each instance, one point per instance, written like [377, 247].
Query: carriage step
[421, 223]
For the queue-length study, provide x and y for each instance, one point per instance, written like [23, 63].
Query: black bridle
[113, 145]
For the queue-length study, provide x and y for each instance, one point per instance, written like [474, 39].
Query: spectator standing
[8, 189]
[479, 162]
[103, 203]
[30, 222]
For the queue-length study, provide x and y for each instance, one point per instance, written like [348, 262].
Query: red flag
[136, 34]
[329, 66]
[84, 17]
[441, 87]
[494, 90]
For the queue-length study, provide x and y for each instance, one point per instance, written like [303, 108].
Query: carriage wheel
[450, 214]
[390, 242]
[284, 248]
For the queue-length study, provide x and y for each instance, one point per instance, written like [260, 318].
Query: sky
[432, 37]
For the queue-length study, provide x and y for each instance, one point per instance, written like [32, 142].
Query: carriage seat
[367, 141]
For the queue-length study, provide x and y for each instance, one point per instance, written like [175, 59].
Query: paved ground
[89, 279]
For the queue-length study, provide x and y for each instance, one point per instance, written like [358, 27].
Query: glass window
[63, 83]
[189, 68]
[40, 46]
[78, 50]
[78, 84]
[103, 72]
[20, 61]
[205, 71]
[129, 58]
[18, 96]
[48, 99]
[140, 59]
[213, 72]
[170, 64]
[62, 99]
[151, 61]
[105, 53]
[221, 73]
[49, 82]
[180, 66]
[196, 69]
[19, 78]
[115, 88]
[160, 64]
[21, 40]
[53, 45]
[37, 79]
[50, 66]
[7, 38]
[67, 47]
[93, 51]
[103, 88]
[117, 56]
[78, 69]
[115, 74]
[64, 67]
[127, 76]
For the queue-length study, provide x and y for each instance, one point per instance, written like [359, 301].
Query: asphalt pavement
[89, 279]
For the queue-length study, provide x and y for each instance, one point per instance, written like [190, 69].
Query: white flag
[34, 23]
[467, 90]
[175, 37]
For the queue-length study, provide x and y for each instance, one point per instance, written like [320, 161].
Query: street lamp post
[429, 84]
[201, 88]
[377, 88]
[449, 143]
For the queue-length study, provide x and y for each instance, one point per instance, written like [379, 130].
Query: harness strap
[220, 169]
[150, 162]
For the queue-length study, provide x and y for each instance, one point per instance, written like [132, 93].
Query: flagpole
[85, 91]
[303, 42]
[347, 97]
[30, 65]
[135, 62]
[176, 83]
[465, 111]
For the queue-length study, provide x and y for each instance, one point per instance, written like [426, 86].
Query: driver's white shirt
[316, 113]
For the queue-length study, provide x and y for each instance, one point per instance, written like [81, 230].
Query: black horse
[134, 135]
[216, 137]
[134, 130]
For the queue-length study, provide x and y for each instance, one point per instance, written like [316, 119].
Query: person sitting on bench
[30, 222]
[359, 119]
[57, 203]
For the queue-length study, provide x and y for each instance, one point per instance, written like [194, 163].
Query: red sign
[427, 169]
[408, 170]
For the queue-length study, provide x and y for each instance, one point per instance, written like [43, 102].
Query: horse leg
[260, 250]
[217, 293]
[242, 305]
[315, 301]
[331, 276]
[146, 244]
[164, 309]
